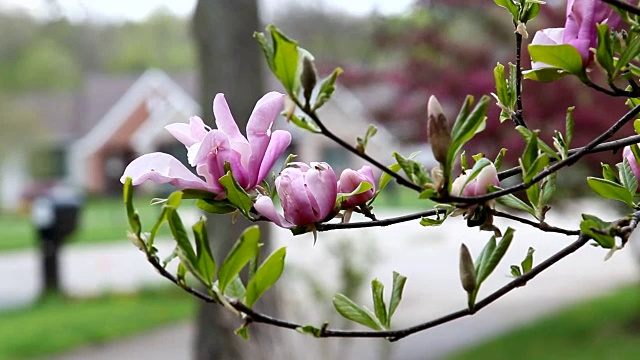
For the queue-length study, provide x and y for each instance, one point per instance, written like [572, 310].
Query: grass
[101, 220]
[604, 328]
[57, 325]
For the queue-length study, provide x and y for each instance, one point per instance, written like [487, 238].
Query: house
[97, 131]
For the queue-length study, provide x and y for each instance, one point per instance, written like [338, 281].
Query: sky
[119, 10]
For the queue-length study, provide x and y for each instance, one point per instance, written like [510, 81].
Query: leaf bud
[308, 78]
[439, 130]
[467, 270]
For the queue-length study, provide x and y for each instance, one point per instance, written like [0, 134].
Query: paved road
[427, 256]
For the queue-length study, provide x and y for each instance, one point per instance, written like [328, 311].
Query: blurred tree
[47, 65]
[231, 63]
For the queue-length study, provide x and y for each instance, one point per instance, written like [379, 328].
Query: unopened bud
[308, 78]
[467, 270]
[439, 130]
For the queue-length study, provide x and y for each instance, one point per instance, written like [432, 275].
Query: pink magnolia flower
[307, 193]
[479, 185]
[635, 167]
[350, 180]
[250, 158]
[580, 28]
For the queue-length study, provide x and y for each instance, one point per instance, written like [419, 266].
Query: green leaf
[327, 88]
[598, 230]
[285, 60]
[545, 74]
[536, 167]
[610, 190]
[569, 122]
[267, 275]
[630, 53]
[608, 173]
[396, 294]
[465, 127]
[528, 135]
[496, 255]
[428, 193]
[236, 288]
[180, 235]
[362, 187]
[515, 271]
[236, 194]
[385, 178]
[527, 263]
[511, 7]
[132, 214]
[483, 257]
[352, 311]
[627, 177]
[498, 162]
[513, 202]
[245, 249]
[502, 90]
[564, 57]
[309, 330]
[548, 189]
[604, 50]
[205, 262]
[379, 307]
[215, 206]
[531, 10]
[636, 126]
[304, 123]
[413, 169]
[242, 331]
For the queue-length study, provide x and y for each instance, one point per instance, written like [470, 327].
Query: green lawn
[58, 325]
[101, 219]
[604, 328]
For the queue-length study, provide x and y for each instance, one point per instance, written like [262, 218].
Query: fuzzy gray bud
[308, 78]
[467, 270]
[439, 130]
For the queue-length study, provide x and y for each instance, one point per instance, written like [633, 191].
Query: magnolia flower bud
[439, 130]
[467, 270]
[627, 153]
[479, 185]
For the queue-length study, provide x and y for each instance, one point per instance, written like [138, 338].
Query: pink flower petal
[279, 142]
[226, 124]
[162, 168]
[264, 206]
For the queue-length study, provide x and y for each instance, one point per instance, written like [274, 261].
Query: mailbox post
[55, 217]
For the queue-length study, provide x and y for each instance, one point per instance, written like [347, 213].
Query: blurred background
[87, 86]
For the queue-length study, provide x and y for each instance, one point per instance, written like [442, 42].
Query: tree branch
[538, 225]
[624, 6]
[519, 116]
[570, 160]
[378, 223]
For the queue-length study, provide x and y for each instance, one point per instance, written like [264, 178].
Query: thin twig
[394, 335]
[542, 226]
[519, 116]
[377, 223]
[624, 6]
[608, 146]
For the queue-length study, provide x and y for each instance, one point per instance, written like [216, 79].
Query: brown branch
[394, 335]
[378, 223]
[624, 6]
[538, 225]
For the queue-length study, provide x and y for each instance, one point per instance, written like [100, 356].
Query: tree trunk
[230, 62]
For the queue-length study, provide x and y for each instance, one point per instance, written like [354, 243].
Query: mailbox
[55, 217]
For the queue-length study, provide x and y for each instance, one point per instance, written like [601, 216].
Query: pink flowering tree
[598, 44]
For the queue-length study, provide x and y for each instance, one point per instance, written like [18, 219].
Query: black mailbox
[55, 217]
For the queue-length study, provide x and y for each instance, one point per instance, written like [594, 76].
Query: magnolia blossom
[250, 158]
[307, 193]
[479, 185]
[635, 167]
[350, 180]
[580, 27]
